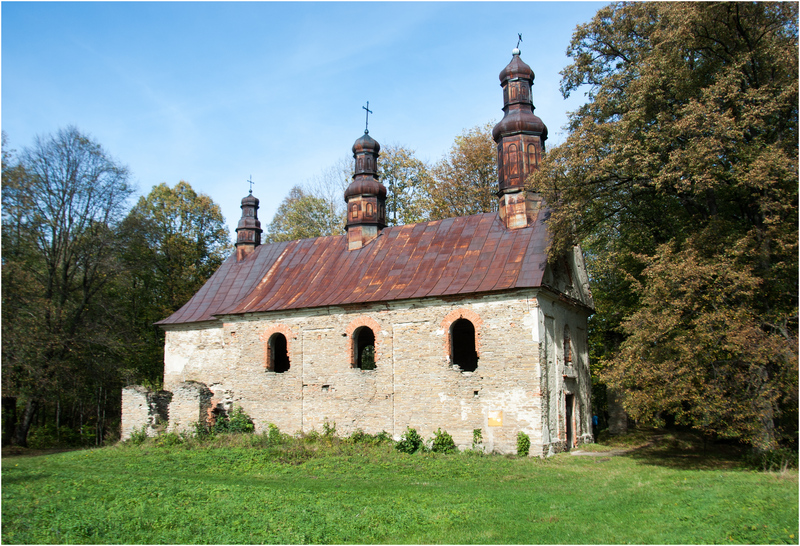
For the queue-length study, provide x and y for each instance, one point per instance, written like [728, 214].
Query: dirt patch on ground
[610, 453]
[16, 451]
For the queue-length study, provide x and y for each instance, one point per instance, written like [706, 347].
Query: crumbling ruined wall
[191, 404]
[143, 409]
[414, 383]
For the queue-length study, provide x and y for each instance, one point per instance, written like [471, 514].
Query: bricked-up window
[364, 348]
[462, 345]
[278, 354]
[567, 348]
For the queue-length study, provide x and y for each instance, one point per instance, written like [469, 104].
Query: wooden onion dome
[248, 232]
[365, 196]
[520, 138]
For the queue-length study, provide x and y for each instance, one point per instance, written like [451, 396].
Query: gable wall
[413, 383]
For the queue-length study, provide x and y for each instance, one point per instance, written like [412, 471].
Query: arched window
[364, 348]
[512, 165]
[462, 345]
[278, 359]
[533, 161]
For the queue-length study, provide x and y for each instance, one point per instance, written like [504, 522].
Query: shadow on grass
[680, 450]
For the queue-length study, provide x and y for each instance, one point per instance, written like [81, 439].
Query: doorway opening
[569, 406]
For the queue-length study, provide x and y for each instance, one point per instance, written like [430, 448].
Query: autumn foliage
[680, 178]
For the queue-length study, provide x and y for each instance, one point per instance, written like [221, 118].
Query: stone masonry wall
[414, 384]
[191, 403]
[143, 409]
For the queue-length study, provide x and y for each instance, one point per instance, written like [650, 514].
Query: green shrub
[202, 430]
[138, 436]
[43, 437]
[443, 442]
[274, 435]
[772, 459]
[477, 440]
[168, 439]
[360, 437]
[47, 436]
[238, 422]
[410, 441]
[328, 429]
[523, 444]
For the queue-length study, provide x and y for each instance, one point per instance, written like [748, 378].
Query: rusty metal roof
[456, 256]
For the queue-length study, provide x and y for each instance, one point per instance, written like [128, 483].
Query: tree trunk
[617, 418]
[21, 433]
[9, 418]
[766, 440]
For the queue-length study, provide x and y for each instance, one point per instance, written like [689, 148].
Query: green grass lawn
[332, 491]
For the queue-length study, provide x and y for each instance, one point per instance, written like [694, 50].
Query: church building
[459, 324]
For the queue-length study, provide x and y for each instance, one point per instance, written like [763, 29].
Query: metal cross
[251, 184]
[520, 39]
[366, 128]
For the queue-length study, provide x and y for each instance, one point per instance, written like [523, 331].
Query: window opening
[462, 345]
[278, 354]
[364, 348]
[513, 167]
[567, 349]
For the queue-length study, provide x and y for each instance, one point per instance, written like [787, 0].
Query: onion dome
[365, 186]
[520, 137]
[365, 177]
[516, 80]
[365, 196]
[366, 144]
[248, 231]
[519, 121]
[517, 68]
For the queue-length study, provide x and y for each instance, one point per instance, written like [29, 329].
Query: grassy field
[326, 490]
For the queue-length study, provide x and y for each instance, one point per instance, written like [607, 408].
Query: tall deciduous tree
[464, 181]
[302, 215]
[680, 177]
[407, 181]
[62, 203]
[173, 241]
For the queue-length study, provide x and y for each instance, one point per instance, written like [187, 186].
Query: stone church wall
[144, 410]
[413, 383]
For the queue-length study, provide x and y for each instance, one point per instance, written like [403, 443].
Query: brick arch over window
[373, 325]
[455, 315]
[268, 333]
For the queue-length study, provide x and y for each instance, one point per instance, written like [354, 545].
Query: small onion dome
[366, 144]
[516, 69]
[249, 200]
[519, 121]
[365, 185]
[249, 221]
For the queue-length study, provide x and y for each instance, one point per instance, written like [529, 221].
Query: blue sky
[214, 92]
